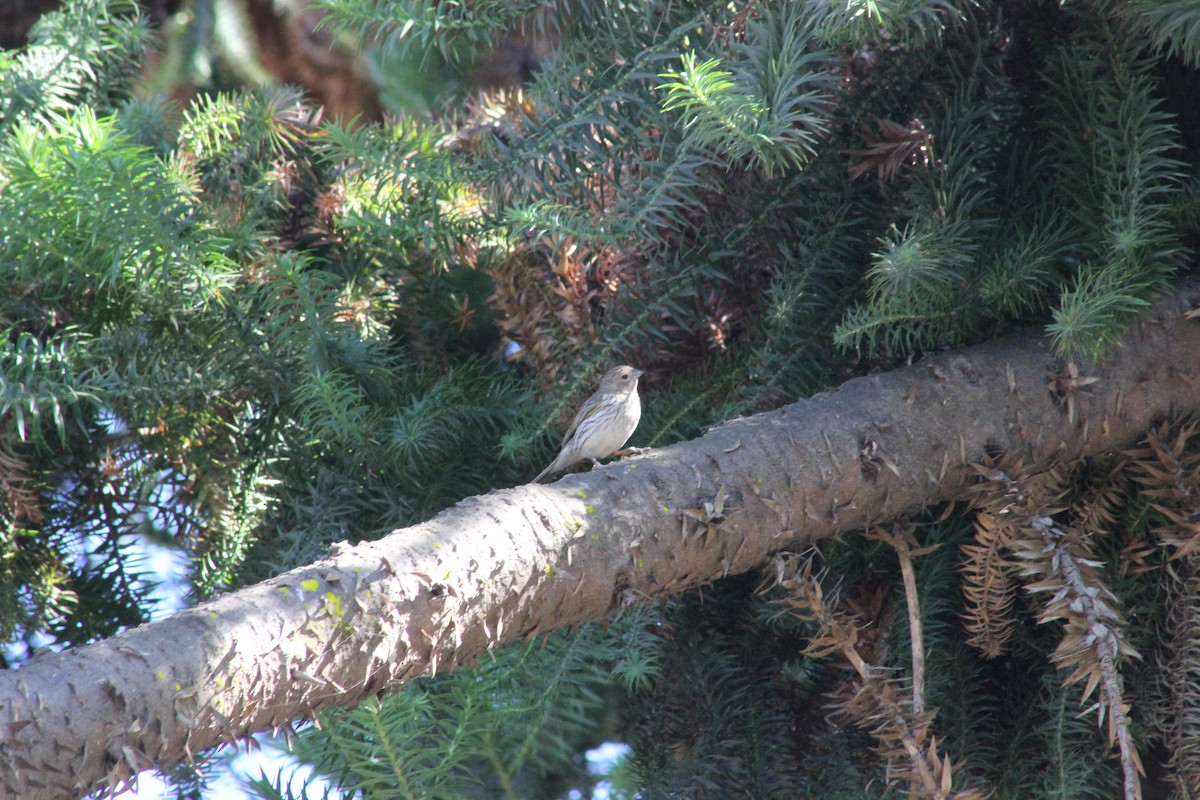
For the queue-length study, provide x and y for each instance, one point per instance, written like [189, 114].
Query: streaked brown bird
[604, 422]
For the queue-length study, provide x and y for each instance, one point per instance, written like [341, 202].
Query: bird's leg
[628, 451]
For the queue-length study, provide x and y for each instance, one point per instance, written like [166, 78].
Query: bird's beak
[637, 373]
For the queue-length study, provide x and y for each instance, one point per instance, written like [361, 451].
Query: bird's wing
[585, 411]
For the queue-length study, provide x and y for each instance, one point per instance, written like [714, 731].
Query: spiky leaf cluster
[201, 349]
[508, 728]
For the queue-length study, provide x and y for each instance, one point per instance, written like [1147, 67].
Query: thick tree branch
[530, 559]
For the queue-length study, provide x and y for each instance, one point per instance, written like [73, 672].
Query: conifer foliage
[243, 331]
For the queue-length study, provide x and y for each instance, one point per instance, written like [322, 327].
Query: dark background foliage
[242, 323]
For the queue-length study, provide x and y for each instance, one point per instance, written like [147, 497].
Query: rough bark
[534, 558]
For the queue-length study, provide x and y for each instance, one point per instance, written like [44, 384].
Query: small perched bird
[604, 423]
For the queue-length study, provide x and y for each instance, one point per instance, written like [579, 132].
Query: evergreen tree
[248, 334]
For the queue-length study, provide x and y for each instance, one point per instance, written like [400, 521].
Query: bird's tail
[548, 471]
[559, 463]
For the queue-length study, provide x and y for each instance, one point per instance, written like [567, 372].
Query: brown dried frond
[988, 586]
[903, 737]
[1167, 467]
[1181, 678]
[1061, 566]
[19, 500]
[896, 146]
[1093, 640]
[330, 201]
[907, 744]
[552, 326]
[806, 601]
[554, 291]
[1098, 508]
[1005, 488]
[553, 298]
